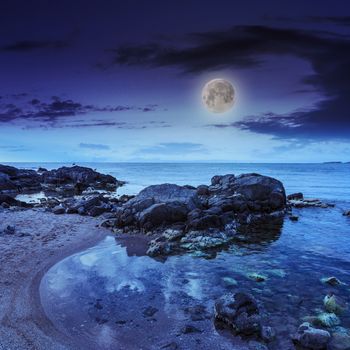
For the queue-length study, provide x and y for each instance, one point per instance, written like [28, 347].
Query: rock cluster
[189, 218]
[297, 200]
[70, 180]
[13, 180]
[93, 205]
[65, 181]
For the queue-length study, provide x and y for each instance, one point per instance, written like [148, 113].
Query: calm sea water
[113, 297]
[326, 181]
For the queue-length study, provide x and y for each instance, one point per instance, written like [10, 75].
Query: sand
[41, 240]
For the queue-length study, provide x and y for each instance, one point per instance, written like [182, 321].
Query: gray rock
[311, 338]
[334, 303]
[254, 345]
[267, 333]
[240, 312]
[333, 281]
[295, 196]
[340, 339]
[10, 230]
[59, 209]
[166, 193]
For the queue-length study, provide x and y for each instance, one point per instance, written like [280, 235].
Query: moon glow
[218, 95]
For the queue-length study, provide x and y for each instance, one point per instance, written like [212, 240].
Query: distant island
[337, 162]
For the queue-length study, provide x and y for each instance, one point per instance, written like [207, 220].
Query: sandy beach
[41, 239]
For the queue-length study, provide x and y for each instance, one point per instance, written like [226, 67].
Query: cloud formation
[58, 112]
[94, 146]
[247, 47]
[34, 45]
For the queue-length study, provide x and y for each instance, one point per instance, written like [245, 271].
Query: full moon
[218, 95]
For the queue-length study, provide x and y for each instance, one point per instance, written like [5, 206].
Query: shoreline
[47, 239]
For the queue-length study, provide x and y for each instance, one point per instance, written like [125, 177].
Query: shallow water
[112, 297]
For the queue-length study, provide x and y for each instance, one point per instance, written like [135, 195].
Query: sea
[113, 297]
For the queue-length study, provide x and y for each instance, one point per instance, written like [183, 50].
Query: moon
[218, 95]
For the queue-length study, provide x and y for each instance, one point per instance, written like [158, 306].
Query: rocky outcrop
[8, 201]
[297, 200]
[203, 217]
[76, 179]
[64, 181]
[13, 180]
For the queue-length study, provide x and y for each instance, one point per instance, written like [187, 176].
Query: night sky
[121, 80]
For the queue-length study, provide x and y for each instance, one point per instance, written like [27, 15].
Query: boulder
[295, 196]
[240, 312]
[163, 213]
[311, 338]
[58, 210]
[166, 193]
[255, 187]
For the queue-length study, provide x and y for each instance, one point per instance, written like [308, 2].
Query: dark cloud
[32, 45]
[56, 112]
[337, 20]
[340, 20]
[94, 146]
[247, 47]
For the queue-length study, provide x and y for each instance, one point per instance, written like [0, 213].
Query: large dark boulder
[163, 213]
[165, 193]
[255, 187]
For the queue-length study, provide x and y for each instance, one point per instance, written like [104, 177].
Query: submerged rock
[334, 303]
[311, 338]
[309, 202]
[340, 339]
[333, 281]
[325, 319]
[256, 277]
[240, 312]
[254, 345]
[267, 333]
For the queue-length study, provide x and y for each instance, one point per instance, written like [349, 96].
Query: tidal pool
[111, 296]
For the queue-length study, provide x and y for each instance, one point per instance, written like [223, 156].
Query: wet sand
[41, 240]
